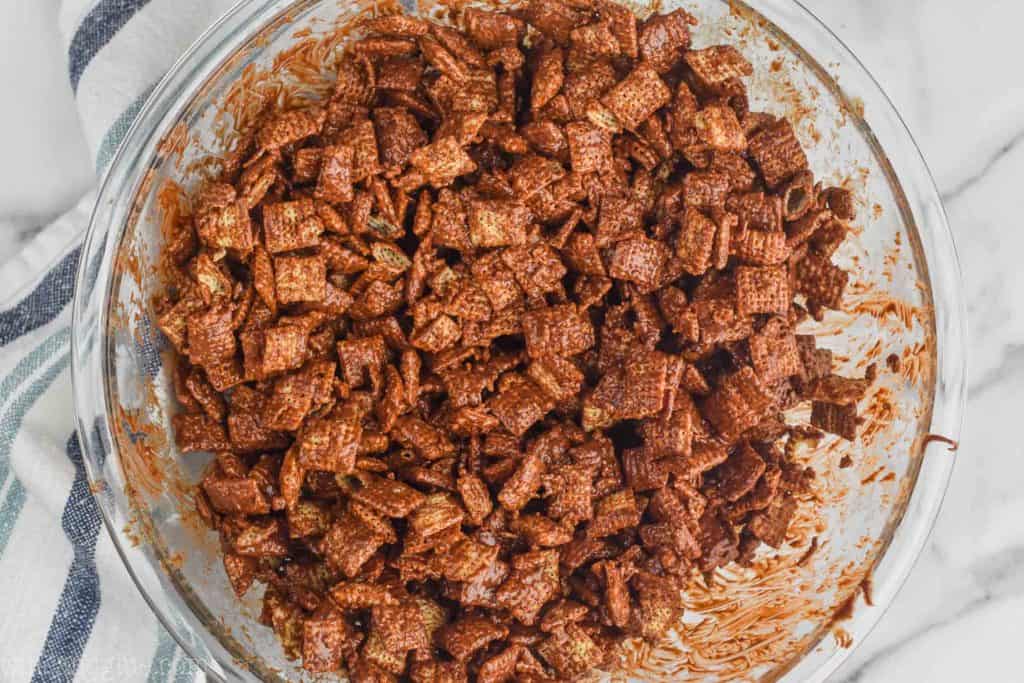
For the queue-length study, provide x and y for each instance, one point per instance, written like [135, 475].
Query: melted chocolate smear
[953, 445]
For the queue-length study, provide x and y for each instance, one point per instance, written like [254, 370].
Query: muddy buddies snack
[494, 347]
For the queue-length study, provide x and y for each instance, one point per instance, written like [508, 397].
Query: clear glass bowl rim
[881, 121]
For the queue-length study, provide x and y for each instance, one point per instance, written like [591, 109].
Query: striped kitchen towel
[70, 611]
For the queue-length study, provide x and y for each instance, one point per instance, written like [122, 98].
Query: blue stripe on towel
[118, 129]
[163, 658]
[26, 367]
[186, 670]
[10, 511]
[80, 600]
[10, 424]
[45, 302]
[97, 29]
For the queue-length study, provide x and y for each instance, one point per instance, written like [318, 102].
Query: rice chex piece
[762, 290]
[637, 97]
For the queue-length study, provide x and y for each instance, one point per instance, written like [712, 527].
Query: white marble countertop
[952, 69]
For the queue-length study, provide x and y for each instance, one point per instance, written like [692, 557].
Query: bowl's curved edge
[952, 374]
[94, 453]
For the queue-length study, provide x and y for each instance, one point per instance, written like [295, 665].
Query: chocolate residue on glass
[953, 445]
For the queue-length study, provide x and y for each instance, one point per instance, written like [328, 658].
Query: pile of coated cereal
[493, 346]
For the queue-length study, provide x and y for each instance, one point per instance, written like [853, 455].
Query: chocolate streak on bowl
[741, 622]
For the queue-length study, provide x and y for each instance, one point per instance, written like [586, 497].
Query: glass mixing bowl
[796, 615]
